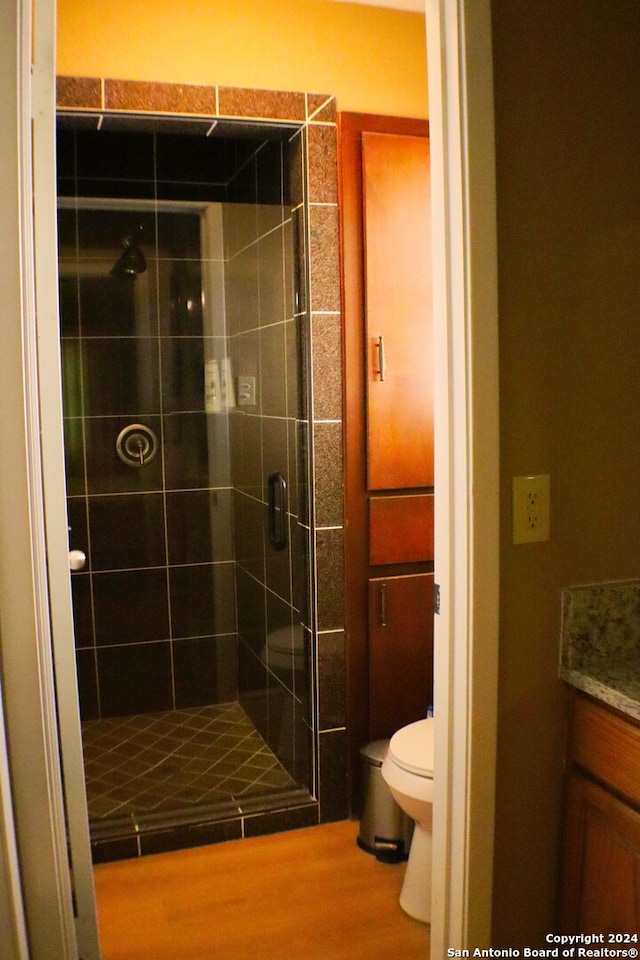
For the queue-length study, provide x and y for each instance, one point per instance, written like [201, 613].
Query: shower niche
[184, 344]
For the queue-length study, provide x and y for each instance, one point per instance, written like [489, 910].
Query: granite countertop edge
[601, 691]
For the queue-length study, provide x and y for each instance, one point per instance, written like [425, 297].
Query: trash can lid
[375, 752]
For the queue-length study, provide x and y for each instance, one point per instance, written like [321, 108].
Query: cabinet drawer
[400, 529]
[607, 746]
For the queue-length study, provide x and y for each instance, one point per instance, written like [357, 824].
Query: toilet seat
[411, 748]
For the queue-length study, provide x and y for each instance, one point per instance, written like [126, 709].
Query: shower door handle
[277, 511]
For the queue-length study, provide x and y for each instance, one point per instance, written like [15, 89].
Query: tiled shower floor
[165, 763]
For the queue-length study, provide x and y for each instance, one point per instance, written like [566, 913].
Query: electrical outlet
[531, 508]
[246, 391]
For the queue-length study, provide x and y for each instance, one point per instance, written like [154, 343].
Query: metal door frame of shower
[202, 209]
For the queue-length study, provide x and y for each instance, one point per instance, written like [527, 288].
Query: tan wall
[567, 108]
[371, 59]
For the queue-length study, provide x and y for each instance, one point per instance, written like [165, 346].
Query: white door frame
[461, 112]
[28, 690]
[459, 60]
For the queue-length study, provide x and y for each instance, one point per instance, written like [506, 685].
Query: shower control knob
[77, 559]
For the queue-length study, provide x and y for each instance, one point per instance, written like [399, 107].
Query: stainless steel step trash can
[385, 830]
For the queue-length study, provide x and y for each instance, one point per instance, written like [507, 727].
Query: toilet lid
[412, 748]
[285, 640]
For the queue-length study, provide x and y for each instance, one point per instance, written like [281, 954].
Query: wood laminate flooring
[309, 894]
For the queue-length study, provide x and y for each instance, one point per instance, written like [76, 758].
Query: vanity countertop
[600, 642]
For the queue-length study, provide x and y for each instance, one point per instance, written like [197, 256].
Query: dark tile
[106, 472]
[248, 474]
[273, 367]
[302, 773]
[296, 373]
[331, 680]
[182, 374]
[280, 727]
[74, 456]
[87, 684]
[189, 835]
[242, 292]
[271, 277]
[281, 820]
[180, 305]
[108, 851]
[131, 606]
[70, 350]
[330, 576]
[121, 377]
[280, 641]
[186, 159]
[191, 444]
[69, 305]
[199, 524]
[251, 612]
[275, 454]
[101, 232]
[77, 520]
[294, 171]
[334, 801]
[127, 531]
[114, 156]
[329, 486]
[253, 688]
[135, 679]
[179, 233]
[301, 584]
[202, 600]
[269, 161]
[278, 563]
[82, 610]
[205, 671]
[112, 307]
[249, 527]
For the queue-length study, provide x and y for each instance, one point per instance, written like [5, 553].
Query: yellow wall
[371, 58]
[567, 106]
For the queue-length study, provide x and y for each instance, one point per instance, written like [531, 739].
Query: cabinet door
[400, 651]
[601, 862]
[398, 307]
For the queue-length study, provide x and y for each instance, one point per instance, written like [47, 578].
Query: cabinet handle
[383, 605]
[381, 357]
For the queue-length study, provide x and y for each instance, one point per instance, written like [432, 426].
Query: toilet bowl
[408, 772]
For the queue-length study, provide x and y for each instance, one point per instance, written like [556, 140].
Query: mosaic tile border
[139, 96]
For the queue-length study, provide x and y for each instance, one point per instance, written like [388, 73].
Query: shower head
[131, 261]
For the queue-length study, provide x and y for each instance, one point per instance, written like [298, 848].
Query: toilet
[408, 772]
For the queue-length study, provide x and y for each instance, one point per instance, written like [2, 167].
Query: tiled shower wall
[316, 113]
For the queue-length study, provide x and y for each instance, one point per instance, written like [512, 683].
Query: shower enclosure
[182, 269]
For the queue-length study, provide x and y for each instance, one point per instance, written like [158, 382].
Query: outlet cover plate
[531, 502]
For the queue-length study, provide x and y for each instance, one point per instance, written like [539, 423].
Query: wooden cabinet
[398, 314]
[601, 884]
[400, 648]
[388, 424]
[600, 876]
